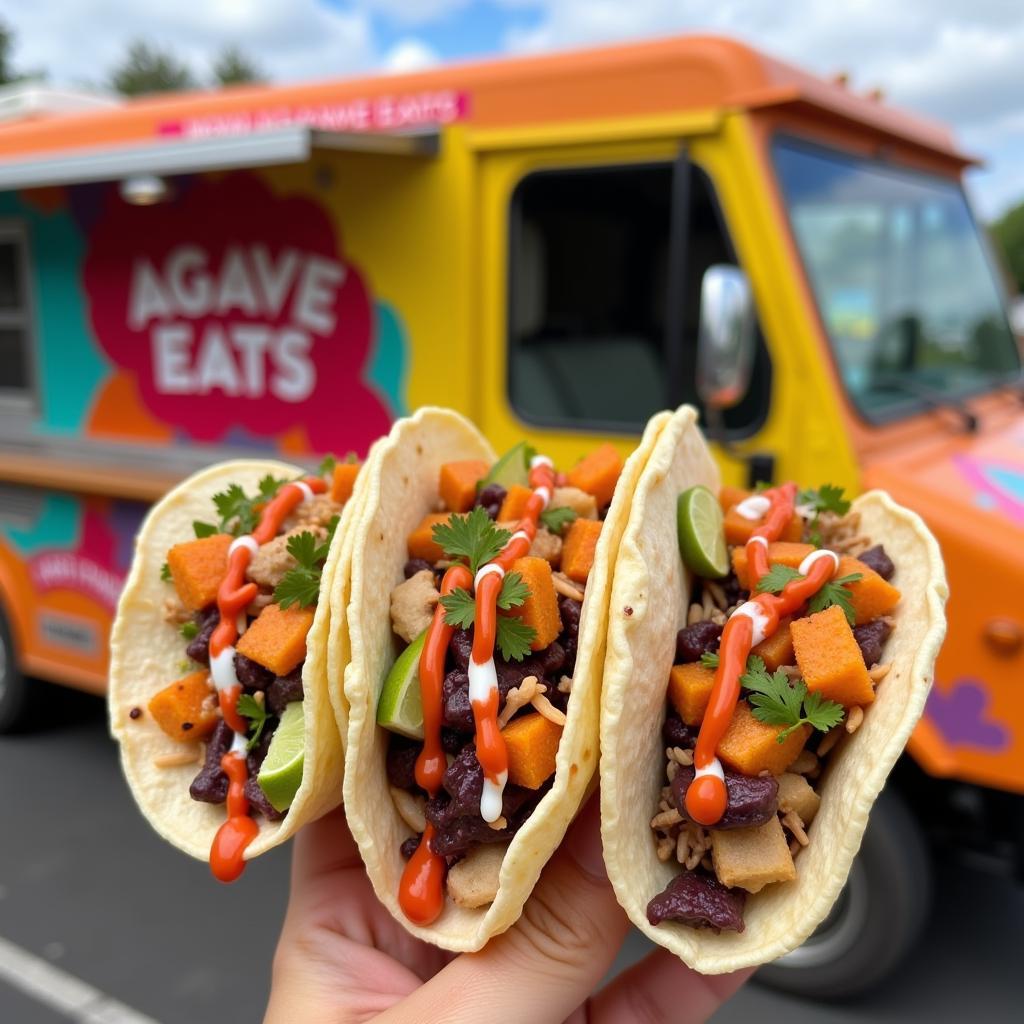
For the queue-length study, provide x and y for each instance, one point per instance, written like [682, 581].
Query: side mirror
[725, 339]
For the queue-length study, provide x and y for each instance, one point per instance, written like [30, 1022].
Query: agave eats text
[276, 303]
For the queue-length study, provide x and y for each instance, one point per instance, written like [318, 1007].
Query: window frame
[15, 402]
[910, 406]
[674, 297]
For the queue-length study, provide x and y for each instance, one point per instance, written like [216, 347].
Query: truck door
[592, 266]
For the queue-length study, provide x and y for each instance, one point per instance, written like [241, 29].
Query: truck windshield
[911, 303]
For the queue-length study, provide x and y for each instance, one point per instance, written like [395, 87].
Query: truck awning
[289, 145]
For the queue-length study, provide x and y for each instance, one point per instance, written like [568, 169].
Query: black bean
[876, 558]
[453, 741]
[254, 758]
[285, 689]
[210, 786]
[459, 647]
[258, 802]
[251, 674]
[697, 899]
[490, 499]
[457, 833]
[198, 648]
[752, 799]
[410, 846]
[694, 640]
[677, 733]
[569, 610]
[415, 565]
[871, 637]
[401, 762]
[135, 713]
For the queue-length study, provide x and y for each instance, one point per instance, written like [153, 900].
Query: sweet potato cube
[514, 505]
[421, 541]
[797, 794]
[752, 858]
[597, 473]
[458, 483]
[751, 747]
[689, 688]
[578, 548]
[540, 609]
[343, 480]
[777, 650]
[829, 658]
[738, 528]
[871, 596]
[197, 568]
[532, 743]
[781, 552]
[277, 638]
[187, 709]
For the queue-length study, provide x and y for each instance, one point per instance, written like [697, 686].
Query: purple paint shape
[124, 519]
[959, 713]
[974, 471]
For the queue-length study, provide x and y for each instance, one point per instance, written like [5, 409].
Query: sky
[961, 61]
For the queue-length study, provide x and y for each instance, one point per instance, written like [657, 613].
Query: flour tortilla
[649, 578]
[401, 487]
[146, 653]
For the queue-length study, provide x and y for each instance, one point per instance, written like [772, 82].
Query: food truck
[540, 243]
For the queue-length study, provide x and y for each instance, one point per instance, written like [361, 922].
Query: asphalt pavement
[102, 922]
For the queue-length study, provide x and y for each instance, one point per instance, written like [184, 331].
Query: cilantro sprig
[775, 579]
[836, 591]
[558, 519]
[165, 572]
[301, 585]
[513, 637]
[473, 537]
[238, 512]
[249, 707]
[775, 700]
[188, 629]
[827, 498]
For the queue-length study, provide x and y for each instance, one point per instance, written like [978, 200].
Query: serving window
[16, 321]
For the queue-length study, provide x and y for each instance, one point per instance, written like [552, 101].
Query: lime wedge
[512, 468]
[281, 771]
[400, 708]
[701, 533]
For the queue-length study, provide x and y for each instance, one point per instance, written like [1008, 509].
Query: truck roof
[658, 77]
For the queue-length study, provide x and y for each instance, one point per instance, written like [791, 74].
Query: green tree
[1008, 232]
[233, 67]
[8, 74]
[147, 69]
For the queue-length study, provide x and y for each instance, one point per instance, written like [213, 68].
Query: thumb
[551, 959]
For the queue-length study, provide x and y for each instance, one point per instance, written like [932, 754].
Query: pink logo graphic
[234, 307]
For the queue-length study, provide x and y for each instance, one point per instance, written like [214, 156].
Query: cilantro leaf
[473, 537]
[514, 637]
[249, 707]
[459, 608]
[203, 529]
[303, 548]
[269, 486]
[557, 519]
[513, 591]
[301, 585]
[188, 629]
[774, 700]
[236, 512]
[709, 660]
[827, 498]
[327, 464]
[775, 580]
[165, 573]
[836, 592]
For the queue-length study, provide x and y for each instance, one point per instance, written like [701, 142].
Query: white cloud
[410, 54]
[413, 12]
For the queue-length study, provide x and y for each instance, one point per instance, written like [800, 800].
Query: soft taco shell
[401, 487]
[649, 578]
[146, 653]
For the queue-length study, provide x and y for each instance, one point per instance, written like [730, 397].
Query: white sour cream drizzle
[490, 797]
[755, 507]
[483, 681]
[758, 539]
[753, 611]
[805, 565]
[714, 767]
[239, 744]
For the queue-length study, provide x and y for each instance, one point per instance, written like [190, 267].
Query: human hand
[342, 958]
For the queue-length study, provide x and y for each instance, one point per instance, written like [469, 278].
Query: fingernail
[584, 840]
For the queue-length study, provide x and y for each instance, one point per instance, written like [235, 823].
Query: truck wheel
[876, 920]
[14, 688]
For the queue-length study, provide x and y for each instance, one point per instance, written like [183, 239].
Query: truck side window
[15, 316]
[588, 298]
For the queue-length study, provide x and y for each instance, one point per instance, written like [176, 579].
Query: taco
[218, 670]
[470, 747]
[755, 698]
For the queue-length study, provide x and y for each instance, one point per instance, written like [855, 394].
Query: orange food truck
[286, 269]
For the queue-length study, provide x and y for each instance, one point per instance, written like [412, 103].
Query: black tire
[876, 920]
[14, 687]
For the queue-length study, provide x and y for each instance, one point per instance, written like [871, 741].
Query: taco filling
[488, 614]
[244, 593]
[778, 662]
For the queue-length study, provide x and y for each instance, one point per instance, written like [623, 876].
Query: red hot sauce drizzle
[227, 854]
[751, 623]
[421, 889]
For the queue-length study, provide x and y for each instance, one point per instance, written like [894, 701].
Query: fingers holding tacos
[756, 698]
[218, 688]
